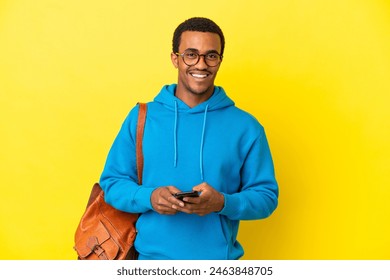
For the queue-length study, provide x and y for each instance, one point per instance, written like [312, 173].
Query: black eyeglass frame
[199, 55]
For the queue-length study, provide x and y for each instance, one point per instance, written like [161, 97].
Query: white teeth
[198, 76]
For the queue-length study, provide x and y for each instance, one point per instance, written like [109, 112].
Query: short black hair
[200, 24]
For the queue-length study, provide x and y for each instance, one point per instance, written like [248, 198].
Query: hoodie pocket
[205, 237]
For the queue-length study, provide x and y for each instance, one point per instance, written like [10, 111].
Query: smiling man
[195, 139]
[201, 57]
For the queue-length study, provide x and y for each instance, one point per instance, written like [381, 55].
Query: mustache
[199, 71]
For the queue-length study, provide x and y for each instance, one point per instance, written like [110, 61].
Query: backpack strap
[139, 137]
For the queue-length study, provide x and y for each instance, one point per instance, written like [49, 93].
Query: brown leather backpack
[105, 233]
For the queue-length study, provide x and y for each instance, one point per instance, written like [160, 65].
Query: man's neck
[193, 99]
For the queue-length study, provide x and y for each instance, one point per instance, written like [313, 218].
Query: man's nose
[202, 62]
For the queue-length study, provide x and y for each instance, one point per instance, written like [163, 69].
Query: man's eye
[191, 55]
[212, 56]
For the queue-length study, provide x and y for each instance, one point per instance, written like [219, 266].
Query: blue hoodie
[213, 142]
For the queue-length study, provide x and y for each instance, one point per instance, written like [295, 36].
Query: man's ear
[174, 59]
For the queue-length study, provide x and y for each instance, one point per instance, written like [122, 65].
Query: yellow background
[315, 73]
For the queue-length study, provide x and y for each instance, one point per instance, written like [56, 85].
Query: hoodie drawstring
[175, 137]
[201, 143]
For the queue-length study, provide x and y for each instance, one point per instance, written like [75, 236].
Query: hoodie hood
[217, 101]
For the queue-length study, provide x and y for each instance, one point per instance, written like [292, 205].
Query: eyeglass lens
[191, 58]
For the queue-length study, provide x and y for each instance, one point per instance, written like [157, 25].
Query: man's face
[199, 78]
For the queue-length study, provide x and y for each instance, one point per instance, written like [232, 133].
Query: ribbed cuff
[231, 206]
[142, 198]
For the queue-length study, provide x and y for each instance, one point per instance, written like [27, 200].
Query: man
[194, 139]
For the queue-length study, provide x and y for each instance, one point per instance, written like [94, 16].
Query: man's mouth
[199, 76]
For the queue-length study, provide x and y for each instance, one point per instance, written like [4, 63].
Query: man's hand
[210, 200]
[163, 201]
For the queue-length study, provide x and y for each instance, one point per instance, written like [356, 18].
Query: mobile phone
[181, 195]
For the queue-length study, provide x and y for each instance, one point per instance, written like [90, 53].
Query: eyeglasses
[191, 58]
